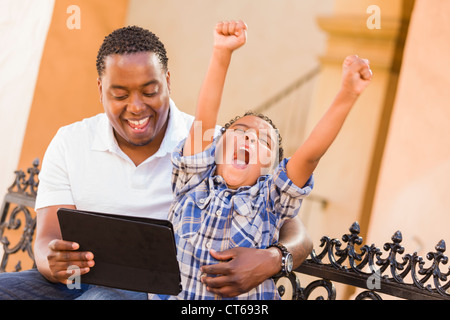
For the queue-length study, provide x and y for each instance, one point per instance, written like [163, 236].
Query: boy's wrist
[348, 94]
[222, 51]
[222, 56]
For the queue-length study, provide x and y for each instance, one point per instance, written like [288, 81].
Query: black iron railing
[388, 271]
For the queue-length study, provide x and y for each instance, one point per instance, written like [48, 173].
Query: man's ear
[100, 89]
[168, 80]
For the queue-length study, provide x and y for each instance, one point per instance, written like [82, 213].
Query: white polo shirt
[84, 166]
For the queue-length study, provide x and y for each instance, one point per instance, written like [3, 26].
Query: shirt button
[225, 194]
[218, 213]
[208, 245]
[202, 200]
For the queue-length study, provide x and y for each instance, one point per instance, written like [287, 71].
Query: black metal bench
[398, 275]
[18, 220]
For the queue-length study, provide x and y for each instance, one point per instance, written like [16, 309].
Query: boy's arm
[228, 36]
[355, 78]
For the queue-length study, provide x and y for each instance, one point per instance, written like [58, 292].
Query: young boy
[230, 193]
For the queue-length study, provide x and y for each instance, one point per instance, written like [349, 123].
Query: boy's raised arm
[356, 76]
[228, 36]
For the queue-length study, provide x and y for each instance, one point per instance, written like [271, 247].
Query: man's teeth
[138, 123]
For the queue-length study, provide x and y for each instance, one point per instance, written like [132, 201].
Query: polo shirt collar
[175, 131]
[104, 139]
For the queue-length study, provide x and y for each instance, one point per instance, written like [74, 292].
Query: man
[119, 162]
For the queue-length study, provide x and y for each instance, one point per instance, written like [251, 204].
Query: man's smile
[139, 125]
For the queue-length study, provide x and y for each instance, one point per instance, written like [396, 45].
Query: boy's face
[247, 150]
[134, 91]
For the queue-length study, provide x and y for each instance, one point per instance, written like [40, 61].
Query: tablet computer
[130, 253]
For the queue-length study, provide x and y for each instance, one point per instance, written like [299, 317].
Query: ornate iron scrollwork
[26, 185]
[370, 268]
[18, 211]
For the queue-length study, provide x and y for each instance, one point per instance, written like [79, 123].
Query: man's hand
[62, 255]
[356, 74]
[230, 35]
[240, 270]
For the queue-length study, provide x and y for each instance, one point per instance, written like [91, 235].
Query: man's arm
[228, 36]
[243, 269]
[295, 238]
[53, 256]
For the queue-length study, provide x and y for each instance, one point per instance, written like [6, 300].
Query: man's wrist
[286, 263]
[277, 257]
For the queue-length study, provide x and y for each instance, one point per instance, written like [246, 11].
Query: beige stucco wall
[284, 42]
[414, 180]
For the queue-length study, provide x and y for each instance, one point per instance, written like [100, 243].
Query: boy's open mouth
[241, 157]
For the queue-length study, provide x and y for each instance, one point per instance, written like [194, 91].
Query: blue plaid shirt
[208, 215]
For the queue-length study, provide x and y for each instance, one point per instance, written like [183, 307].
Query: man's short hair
[131, 39]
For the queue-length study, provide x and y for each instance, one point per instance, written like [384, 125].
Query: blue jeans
[31, 285]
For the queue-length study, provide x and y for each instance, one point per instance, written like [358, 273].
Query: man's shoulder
[80, 133]
[92, 121]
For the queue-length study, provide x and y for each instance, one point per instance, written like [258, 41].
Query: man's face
[134, 90]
